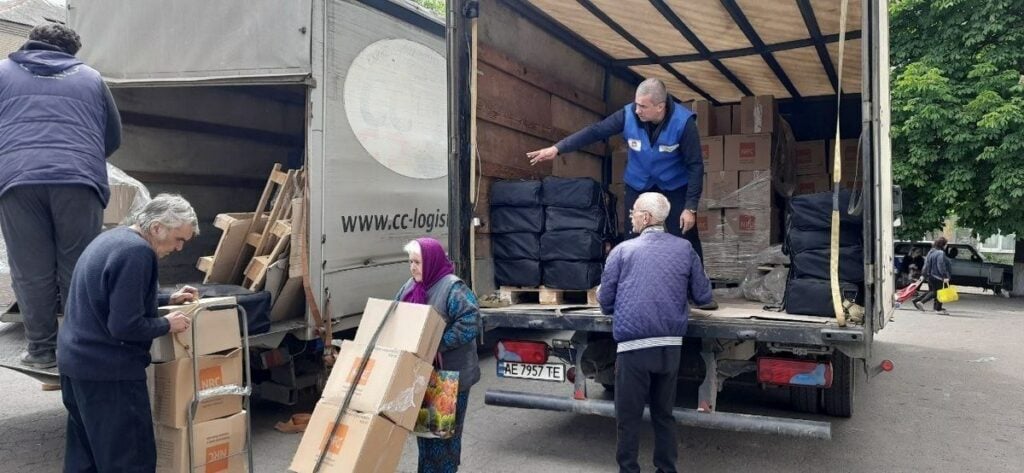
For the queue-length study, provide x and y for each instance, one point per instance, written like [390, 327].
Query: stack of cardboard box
[387, 396]
[219, 426]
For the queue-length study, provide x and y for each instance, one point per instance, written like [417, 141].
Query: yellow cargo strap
[837, 175]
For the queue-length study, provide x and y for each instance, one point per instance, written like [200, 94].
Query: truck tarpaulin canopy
[197, 40]
[716, 50]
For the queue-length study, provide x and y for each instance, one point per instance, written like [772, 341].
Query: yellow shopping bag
[947, 294]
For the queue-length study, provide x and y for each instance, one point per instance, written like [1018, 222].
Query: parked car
[969, 268]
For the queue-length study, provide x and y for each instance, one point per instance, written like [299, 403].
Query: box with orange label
[748, 152]
[752, 225]
[173, 388]
[392, 384]
[711, 150]
[810, 157]
[215, 321]
[362, 443]
[812, 184]
[709, 225]
[415, 328]
[847, 158]
[218, 446]
[720, 184]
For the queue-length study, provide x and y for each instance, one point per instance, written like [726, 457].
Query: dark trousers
[677, 201]
[934, 284]
[642, 375]
[46, 228]
[110, 427]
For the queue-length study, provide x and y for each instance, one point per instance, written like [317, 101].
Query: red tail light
[782, 371]
[523, 351]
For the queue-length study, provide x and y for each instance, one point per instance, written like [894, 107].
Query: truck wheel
[804, 399]
[838, 399]
[997, 290]
[608, 387]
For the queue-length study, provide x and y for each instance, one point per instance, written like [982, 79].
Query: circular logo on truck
[395, 102]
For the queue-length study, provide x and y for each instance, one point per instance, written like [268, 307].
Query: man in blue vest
[58, 124]
[664, 156]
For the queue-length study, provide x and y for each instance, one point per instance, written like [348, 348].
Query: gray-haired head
[653, 203]
[412, 248]
[56, 34]
[169, 210]
[653, 88]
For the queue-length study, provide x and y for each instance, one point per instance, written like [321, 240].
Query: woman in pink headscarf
[434, 283]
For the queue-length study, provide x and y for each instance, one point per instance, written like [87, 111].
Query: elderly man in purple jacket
[646, 284]
[58, 124]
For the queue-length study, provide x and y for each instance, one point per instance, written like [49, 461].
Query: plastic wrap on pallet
[506, 219]
[579, 193]
[798, 241]
[520, 272]
[571, 245]
[765, 279]
[572, 275]
[127, 196]
[515, 245]
[816, 263]
[567, 218]
[814, 296]
[814, 211]
[516, 193]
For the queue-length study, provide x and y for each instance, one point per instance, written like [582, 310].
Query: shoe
[709, 306]
[919, 306]
[42, 361]
[942, 312]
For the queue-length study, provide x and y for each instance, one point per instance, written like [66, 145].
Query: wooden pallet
[278, 193]
[546, 296]
[218, 267]
[256, 270]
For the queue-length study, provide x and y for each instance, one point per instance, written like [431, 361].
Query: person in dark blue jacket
[103, 345]
[646, 285]
[58, 124]
[664, 156]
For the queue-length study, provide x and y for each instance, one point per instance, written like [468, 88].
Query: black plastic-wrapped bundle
[506, 219]
[578, 193]
[568, 218]
[571, 245]
[516, 193]
[814, 296]
[816, 263]
[798, 241]
[512, 246]
[572, 275]
[814, 211]
[518, 272]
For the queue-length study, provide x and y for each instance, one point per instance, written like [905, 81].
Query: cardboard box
[415, 328]
[735, 130]
[392, 383]
[363, 443]
[719, 185]
[120, 205]
[748, 152]
[217, 447]
[619, 161]
[810, 157]
[705, 117]
[173, 388]
[619, 191]
[712, 149]
[751, 225]
[813, 184]
[757, 114]
[722, 120]
[709, 225]
[216, 331]
[748, 177]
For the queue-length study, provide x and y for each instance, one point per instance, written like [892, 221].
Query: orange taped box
[173, 388]
[218, 446]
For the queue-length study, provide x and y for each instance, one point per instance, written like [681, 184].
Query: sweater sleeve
[694, 163]
[126, 319]
[610, 282]
[700, 285]
[112, 134]
[464, 311]
[602, 130]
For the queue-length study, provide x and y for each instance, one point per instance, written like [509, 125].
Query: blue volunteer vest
[661, 163]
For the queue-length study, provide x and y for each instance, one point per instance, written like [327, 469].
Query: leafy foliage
[958, 113]
[436, 6]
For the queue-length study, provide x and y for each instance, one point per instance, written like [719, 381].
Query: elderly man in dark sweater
[103, 345]
[646, 285]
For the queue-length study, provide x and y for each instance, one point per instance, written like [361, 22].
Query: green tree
[436, 6]
[958, 113]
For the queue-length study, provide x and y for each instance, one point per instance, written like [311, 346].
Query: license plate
[546, 372]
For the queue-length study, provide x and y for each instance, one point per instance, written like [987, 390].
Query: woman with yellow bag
[936, 270]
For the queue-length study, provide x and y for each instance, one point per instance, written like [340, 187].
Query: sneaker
[709, 306]
[919, 306]
[44, 360]
[942, 312]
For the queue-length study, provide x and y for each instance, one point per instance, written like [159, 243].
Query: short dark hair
[940, 243]
[56, 34]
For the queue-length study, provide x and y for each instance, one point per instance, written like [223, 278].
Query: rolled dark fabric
[516, 193]
[814, 296]
[517, 272]
[571, 245]
[798, 241]
[814, 211]
[568, 218]
[512, 246]
[517, 219]
[578, 193]
[816, 263]
[572, 275]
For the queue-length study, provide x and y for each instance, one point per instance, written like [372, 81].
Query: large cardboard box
[751, 225]
[847, 158]
[712, 149]
[748, 152]
[810, 157]
[709, 225]
[813, 184]
[215, 323]
[415, 328]
[392, 383]
[619, 161]
[173, 388]
[120, 204]
[757, 114]
[363, 443]
[218, 446]
[722, 120]
[735, 130]
[720, 185]
[705, 117]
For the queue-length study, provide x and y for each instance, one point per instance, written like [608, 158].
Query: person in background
[936, 271]
[58, 125]
[645, 286]
[433, 282]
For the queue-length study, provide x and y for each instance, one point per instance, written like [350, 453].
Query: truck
[213, 94]
[524, 74]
